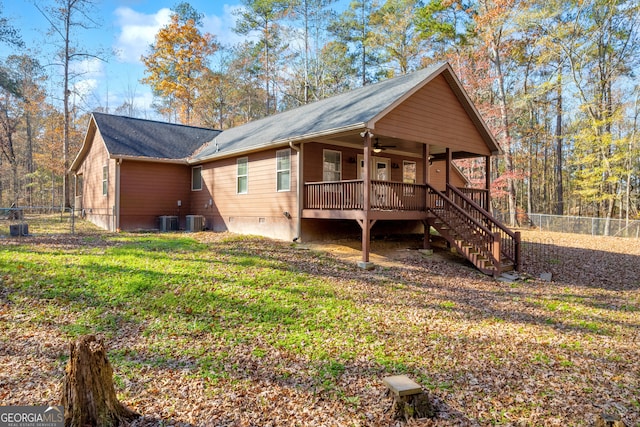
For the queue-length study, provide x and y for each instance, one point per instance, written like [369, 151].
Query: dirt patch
[392, 252]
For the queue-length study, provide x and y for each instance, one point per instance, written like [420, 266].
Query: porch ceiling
[397, 146]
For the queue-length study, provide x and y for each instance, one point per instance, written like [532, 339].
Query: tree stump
[89, 397]
[409, 401]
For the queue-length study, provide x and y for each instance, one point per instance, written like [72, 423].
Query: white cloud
[137, 32]
[87, 75]
[85, 87]
[90, 67]
[222, 26]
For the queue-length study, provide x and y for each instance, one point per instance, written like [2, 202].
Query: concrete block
[366, 265]
[546, 277]
[402, 385]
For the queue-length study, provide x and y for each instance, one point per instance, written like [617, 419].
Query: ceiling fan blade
[379, 146]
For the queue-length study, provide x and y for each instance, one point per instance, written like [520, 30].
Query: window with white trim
[242, 175]
[105, 180]
[196, 178]
[409, 176]
[408, 172]
[283, 170]
[331, 165]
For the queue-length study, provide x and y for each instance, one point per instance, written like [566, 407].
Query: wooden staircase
[474, 232]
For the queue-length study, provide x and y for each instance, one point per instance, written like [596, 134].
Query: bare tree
[64, 17]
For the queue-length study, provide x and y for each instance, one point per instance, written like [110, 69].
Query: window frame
[242, 161]
[105, 180]
[324, 171]
[409, 190]
[406, 163]
[193, 170]
[279, 172]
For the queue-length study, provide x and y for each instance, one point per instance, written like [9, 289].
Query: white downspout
[299, 191]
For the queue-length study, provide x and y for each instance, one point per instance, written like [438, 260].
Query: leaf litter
[489, 353]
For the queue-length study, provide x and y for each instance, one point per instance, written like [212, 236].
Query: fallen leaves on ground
[527, 352]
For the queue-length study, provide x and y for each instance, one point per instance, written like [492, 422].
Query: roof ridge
[118, 116]
[351, 92]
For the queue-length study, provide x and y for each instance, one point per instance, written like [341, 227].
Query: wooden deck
[459, 215]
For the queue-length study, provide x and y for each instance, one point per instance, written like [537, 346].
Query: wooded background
[555, 80]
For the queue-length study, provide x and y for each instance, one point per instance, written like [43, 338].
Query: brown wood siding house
[148, 172]
[262, 209]
[376, 160]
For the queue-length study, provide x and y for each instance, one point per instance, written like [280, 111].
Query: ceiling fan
[378, 148]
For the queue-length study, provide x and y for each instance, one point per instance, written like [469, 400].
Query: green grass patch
[174, 288]
[448, 305]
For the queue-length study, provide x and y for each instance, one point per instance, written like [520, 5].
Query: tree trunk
[89, 397]
[559, 143]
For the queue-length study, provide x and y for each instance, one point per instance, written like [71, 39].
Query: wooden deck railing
[334, 195]
[467, 226]
[456, 208]
[478, 195]
[346, 195]
[398, 196]
[510, 241]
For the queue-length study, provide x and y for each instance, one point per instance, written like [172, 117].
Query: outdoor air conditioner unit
[168, 223]
[195, 223]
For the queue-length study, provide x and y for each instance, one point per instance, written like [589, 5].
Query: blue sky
[127, 28]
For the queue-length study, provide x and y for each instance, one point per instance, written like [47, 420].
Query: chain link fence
[38, 220]
[587, 225]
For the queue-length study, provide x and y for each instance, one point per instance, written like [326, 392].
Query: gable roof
[128, 137]
[357, 109]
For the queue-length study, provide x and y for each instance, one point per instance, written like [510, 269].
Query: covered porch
[399, 165]
[373, 196]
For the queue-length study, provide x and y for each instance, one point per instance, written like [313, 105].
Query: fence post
[517, 249]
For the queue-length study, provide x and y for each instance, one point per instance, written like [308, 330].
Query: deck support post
[496, 252]
[518, 249]
[366, 224]
[366, 242]
[426, 240]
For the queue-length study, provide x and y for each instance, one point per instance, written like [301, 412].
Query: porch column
[487, 185]
[425, 164]
[426, 243]
[366, 178]
[448, 166]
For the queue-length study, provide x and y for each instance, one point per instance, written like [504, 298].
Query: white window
[331, 165]
[196, 178]
[242, 175]
[409, 177]
[105, 180]
[283, 170]
[409, 172]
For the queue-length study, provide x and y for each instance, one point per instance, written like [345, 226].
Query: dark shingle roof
[343, 111]
[130, 137]
[359, 108]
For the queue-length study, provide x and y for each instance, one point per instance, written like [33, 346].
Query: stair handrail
[495, 223]
[460, 210]
[485, 213]
[492, 238]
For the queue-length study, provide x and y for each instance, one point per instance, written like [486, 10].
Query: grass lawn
[225, 330]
